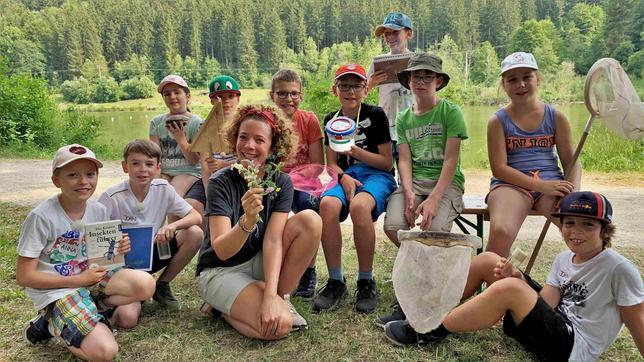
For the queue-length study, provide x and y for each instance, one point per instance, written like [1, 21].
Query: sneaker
[306, 286]
[299, 323]
[163, 295]
[396, 315]
[366, 296]
[37, 331]
[330, 296]
[401, 333]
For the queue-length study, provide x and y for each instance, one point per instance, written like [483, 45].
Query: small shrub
[137, 88]
[107, 90]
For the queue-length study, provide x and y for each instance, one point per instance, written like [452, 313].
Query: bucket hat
[423, 61]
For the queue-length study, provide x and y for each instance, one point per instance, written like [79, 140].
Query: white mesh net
[429, 275]
[610, 96]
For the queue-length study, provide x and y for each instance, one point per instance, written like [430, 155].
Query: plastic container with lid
[341, 131]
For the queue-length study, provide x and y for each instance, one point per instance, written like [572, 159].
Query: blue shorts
[377, 183]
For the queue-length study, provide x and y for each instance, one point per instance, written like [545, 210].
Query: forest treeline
[250, 39]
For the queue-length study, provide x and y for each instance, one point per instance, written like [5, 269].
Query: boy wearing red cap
[365, 181]
[52, 265]
[590, 293]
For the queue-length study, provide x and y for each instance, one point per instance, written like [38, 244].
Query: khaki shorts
[219, 287]
[449, 207]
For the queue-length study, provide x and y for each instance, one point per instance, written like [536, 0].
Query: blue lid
[340, 126]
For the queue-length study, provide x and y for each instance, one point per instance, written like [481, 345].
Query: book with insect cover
[102, 241]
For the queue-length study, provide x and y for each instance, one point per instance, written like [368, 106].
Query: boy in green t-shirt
[429, 141]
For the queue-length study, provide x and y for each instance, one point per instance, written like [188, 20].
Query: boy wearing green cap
[395, 31]
[429, 141]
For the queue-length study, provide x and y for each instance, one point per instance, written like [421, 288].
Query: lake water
[121, 127]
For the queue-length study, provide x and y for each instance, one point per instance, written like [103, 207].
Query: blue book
[141, 241]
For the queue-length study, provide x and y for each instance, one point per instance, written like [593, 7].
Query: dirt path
[27, 182]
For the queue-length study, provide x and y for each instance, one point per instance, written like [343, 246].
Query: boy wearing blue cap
[590, 293]
[395, 31]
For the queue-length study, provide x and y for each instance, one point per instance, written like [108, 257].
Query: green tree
[620, 21]
[107, 90]
[245, 47]
[270, 37]
[485, 67]
[537, 37]
[635, 64]
[21, 54]
[135, 67]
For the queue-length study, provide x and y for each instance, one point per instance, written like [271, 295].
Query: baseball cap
[172, 78]
[586, 204]
[355, 69]
[518, 60]
[223, 84]
[394, 21]
[423, 61]
[71, 153]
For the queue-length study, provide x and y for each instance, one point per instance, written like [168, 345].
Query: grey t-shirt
[225, 190]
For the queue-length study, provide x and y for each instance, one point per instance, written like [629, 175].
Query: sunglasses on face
[284, 94]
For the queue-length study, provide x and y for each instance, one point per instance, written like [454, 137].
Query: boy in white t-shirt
[590, 293]
[52, 265]
[144, 200]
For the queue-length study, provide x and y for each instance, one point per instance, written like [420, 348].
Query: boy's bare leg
[188, 242]
[129, 286]
[364, 233]
[127, 316]
[331, 233]
[481, 270]
[98, 345]
[508, 209]
[487, 308]
[300, 241]
[182, 183]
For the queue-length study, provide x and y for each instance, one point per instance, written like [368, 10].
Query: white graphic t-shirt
[48, 234]
[161, 199]
[590, 294]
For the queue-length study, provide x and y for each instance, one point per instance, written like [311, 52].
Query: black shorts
[545, 332]
[197, 192]
[158, 264]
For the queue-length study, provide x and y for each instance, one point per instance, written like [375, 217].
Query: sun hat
[71, 153]
[586, 204]
[394, 21]
[518, 60]
[172, 78]
[223, 84]
[355, 69]
[423, 61]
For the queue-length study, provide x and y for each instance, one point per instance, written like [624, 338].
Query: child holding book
[429, 140]
[365, 181]
[396, 31]
[254, 254]
[590, 293]
[173, 132]
[286, 93]
[52, 265]
[142, 200]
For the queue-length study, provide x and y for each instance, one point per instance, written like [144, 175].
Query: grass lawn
[341, 335]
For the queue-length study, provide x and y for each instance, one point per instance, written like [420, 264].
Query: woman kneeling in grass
[254, 254]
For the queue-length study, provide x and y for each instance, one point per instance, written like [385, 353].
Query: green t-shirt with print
[427, 136]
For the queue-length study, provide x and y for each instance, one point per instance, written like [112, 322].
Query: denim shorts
[377, 183]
